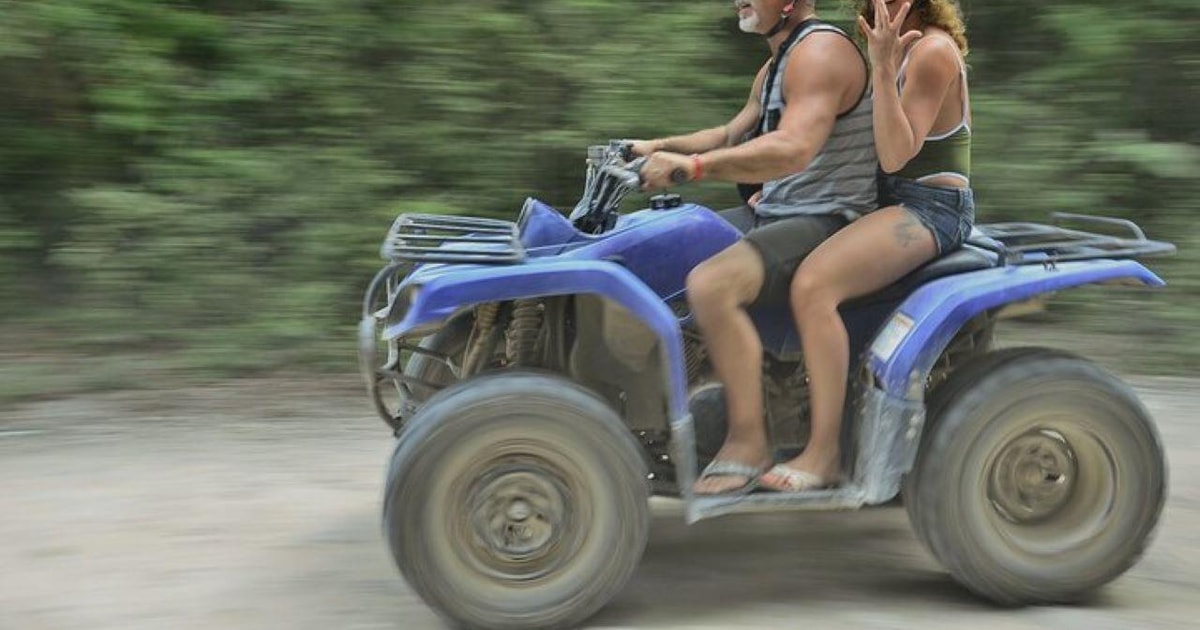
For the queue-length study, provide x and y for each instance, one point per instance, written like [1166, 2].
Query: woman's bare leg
[866, 256]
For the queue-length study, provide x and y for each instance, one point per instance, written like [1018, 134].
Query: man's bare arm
[726, 135]
[823, 73]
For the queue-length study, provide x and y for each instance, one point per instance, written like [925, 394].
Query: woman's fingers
[909, 38]
[881, 15]
[864, 27]
[896, 23]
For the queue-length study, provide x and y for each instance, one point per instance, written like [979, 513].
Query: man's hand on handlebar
[644, 148]
[663, 169]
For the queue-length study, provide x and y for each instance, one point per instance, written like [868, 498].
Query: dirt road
[255, 505]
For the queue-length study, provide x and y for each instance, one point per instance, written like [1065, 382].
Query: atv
[544, 378]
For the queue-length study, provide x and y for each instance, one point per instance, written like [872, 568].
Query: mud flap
[889, 434]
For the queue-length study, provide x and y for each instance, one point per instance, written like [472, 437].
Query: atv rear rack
[1038, 243]
[432, 238]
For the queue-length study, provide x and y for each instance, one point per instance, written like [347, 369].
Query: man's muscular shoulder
[828, 61]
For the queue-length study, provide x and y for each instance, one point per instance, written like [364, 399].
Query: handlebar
[616, 160]
[628, 175]
[624, 176]
[611, 174]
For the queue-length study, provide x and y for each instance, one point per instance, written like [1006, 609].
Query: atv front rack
[416, 239]
[1038, 243]
[432, 238]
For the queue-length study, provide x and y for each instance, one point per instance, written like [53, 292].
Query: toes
[720, 484]
[773, 481]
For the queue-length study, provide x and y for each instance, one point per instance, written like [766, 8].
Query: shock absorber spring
[480, 342]
[523, 333]
[694, 356]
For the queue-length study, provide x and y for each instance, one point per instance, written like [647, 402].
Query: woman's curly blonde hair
[944, 14]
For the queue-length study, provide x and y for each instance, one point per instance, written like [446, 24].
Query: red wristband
[697, 167]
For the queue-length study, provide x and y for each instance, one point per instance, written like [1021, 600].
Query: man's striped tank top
[841, 178]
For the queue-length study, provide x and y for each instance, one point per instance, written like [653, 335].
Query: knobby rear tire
[1041, 480]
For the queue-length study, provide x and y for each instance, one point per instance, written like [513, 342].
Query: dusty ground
[255, 505]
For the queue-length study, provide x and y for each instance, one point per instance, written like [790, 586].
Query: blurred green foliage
[214, 176]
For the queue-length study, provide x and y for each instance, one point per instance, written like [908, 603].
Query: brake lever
[629, 175]
[623, 148]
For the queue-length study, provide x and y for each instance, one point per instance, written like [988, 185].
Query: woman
[923, 139]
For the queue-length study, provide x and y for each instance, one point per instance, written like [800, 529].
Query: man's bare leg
[718, 289]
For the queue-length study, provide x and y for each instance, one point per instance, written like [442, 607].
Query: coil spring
[523, 333]
[485, 316]
[694, 355]
[485, 321]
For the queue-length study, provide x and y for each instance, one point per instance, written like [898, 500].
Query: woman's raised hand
[885, 44]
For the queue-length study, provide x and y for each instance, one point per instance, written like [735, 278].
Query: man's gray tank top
[841, 179]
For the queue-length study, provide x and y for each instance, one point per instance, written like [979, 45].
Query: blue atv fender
[905, 350]
[447, 293]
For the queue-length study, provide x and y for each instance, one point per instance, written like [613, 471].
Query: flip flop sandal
[795, 480]
[730, 469]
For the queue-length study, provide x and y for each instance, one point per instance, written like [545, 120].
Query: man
[805, 134]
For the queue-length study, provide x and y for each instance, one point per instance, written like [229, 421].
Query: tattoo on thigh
[907, 231]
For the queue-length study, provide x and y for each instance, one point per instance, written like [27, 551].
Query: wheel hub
[1033, 477]
[518, 515]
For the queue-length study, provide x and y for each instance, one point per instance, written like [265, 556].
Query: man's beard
[749, 24]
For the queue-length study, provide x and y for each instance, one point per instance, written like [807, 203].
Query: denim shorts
[948, 213]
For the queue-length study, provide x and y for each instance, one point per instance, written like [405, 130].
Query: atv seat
[963, 260]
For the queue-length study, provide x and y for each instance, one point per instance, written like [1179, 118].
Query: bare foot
[751, 456]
